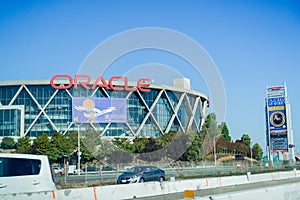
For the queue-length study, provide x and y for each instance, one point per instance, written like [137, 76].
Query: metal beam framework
[193, 111]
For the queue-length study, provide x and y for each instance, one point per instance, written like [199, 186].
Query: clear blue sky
[253, 43]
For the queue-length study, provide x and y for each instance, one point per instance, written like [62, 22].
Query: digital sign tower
[279, 132]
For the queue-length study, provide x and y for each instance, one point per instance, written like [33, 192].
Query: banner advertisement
[277, 115]
[99, 110]
[276, 91]
[279, 144]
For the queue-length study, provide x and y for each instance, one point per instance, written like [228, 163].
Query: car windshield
[136, 169]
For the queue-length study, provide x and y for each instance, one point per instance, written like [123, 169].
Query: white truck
[24, 173]
[72, 169]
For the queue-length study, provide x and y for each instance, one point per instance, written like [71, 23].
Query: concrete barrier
[271, 176]
[111, 192]
[287, 192]
[78, 193]
[234, 180]
[29, 196]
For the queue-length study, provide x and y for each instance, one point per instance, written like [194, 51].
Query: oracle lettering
[86, 82]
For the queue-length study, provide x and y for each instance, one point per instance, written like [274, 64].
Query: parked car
[76, 171]
[24, 173]
[58, 170]
[141, 174]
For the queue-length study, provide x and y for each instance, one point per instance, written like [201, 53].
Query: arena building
[32, 108]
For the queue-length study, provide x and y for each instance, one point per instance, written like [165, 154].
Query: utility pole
[78, 152]
[215, 155]
[251, 154]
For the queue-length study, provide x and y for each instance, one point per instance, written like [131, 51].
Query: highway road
[170, 172]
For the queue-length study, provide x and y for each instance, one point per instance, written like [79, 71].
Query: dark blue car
[139, 174]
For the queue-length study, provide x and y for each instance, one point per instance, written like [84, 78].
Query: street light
[215, 155]
[251, 154]
[78, 152]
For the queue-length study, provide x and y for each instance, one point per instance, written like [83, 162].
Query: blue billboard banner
[99, 110]
[277, 115]
[276, 101]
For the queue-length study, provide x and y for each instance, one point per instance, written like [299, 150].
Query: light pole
[78, 152]
[215, 155]
[251, 154]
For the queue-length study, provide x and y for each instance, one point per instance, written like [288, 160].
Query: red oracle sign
[85, 81]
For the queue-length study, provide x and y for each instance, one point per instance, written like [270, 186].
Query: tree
[257, 151]
[224, 131]
[241, 148]
[24, 145]
[72, 138]
[8, 143]
[178, 147]
[139, 144]
[152, 145]
[87, 145]
[104, 147]
[246, 139]
[223, 145]
[193, 153]
[42, 146]
[209, 133]
[86, 154]
[61, 145]
[167, 138]
[94, 145]
[123, 144]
